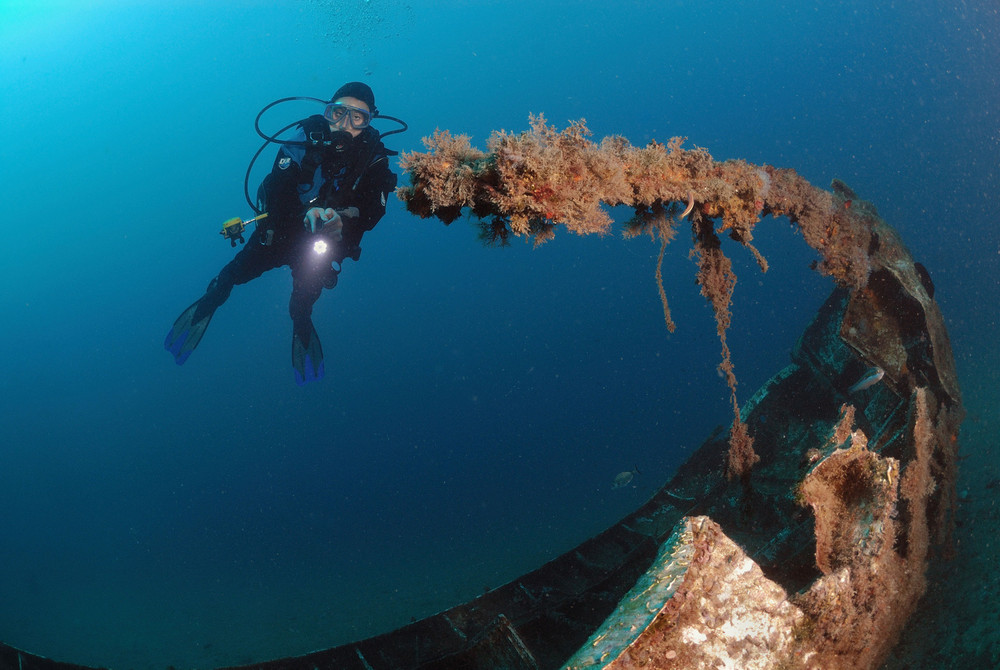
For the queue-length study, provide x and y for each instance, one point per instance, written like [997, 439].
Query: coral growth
[725, 613]
[718, 281]
[873, 535]
[448, 174]
[528, 183]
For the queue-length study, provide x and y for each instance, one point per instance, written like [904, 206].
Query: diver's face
[344, 124]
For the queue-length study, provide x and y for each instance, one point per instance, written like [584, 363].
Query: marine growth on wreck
[529, 183]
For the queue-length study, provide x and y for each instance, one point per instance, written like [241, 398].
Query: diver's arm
[363, 207]
[373, 192]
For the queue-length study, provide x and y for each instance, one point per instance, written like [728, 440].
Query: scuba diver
[328, 186]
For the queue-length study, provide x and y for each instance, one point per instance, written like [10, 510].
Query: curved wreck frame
[799, 541]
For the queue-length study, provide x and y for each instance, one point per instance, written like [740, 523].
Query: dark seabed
[478, 401]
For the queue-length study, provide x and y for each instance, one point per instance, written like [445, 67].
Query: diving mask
[355, 117]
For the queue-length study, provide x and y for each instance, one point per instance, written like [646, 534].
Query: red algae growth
[528, 183]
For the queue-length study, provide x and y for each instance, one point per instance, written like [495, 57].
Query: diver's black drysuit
[316, 168]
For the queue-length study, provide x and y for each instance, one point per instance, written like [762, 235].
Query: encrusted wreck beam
[528, 183]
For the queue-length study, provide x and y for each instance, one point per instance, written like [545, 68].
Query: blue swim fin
[307, 354]
[187, 331]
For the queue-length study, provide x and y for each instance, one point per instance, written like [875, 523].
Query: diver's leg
[307, 353]
[251, 262]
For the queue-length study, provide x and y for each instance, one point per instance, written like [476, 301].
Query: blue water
[478, 402]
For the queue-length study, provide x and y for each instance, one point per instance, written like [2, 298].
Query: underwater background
[478, 402]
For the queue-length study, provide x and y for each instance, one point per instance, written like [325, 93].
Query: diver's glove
[326, 221]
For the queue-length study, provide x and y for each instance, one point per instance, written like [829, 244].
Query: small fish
[623, 479]
[868, 381]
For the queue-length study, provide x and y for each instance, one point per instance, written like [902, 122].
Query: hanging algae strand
[526, 184]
